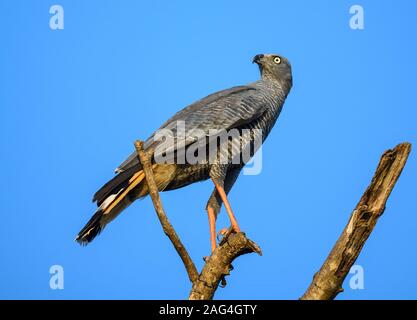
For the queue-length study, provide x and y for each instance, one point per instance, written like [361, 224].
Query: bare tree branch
[327, 283]
[219, 264]
[169, 230]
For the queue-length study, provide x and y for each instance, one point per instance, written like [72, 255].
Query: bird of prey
[253, 106]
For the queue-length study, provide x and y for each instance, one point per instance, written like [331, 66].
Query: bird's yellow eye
[277, 60]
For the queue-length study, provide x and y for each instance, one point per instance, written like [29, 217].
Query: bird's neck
[284, 84]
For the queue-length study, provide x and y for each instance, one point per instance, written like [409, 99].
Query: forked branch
[218, 265]
[327, 283]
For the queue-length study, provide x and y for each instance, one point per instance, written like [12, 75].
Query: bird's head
[274, 67]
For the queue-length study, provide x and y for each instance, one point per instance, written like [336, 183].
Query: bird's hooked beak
[257, 59]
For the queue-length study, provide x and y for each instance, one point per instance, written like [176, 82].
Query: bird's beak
[258, 58]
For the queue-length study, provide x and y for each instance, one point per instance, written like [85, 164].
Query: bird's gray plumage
[216, 111]
[253, 106]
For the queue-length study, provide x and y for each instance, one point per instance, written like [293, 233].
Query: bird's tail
[118, 194]
[114, 203]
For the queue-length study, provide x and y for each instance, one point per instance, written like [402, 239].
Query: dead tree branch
[219, 265]
[327, 283]
[169, 230]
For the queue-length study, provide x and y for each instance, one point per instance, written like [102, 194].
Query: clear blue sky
[73, 101]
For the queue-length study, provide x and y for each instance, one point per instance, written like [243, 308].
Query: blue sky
[73, 101]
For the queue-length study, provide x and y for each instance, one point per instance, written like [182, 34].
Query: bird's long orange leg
[212, 223]
[223, 196]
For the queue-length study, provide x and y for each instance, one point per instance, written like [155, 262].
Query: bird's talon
[222, 233]
[223, 282]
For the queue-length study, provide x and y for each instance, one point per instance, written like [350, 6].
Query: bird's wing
[222, 110]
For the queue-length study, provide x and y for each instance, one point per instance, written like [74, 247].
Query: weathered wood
[219, 264]
[327, 283]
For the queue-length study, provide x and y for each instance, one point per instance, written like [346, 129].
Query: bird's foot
[224, 233]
